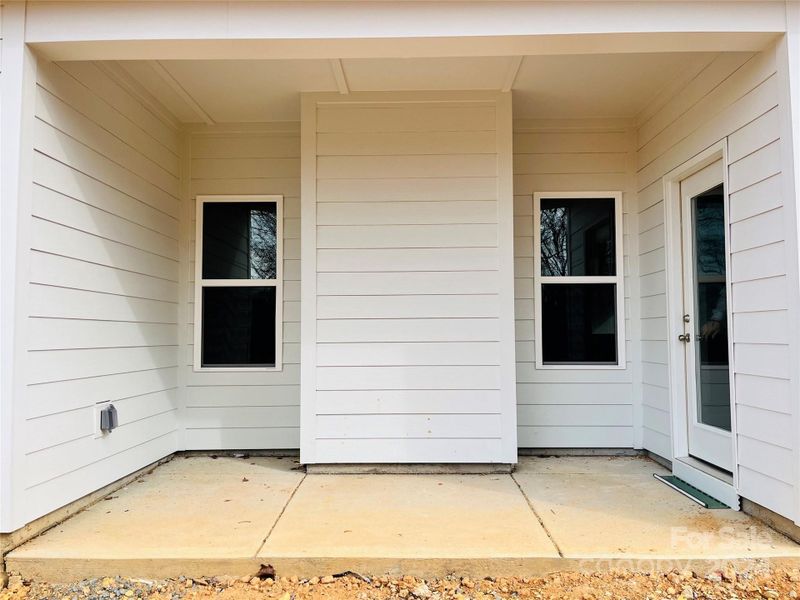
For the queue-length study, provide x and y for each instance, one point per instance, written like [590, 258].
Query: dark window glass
[238, 327]
[711, 305]
[239, 240]
[579, 323]
[577, 237]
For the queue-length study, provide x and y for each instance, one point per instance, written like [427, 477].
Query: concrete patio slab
[444, 516]
[614, 508]
[193, 508]
[199, 516]
[589, 465]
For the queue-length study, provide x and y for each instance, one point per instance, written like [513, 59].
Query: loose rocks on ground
[723, 584]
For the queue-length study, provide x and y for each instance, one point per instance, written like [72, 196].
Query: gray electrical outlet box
[108, 419]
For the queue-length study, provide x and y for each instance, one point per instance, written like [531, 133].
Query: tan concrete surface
[198, 516]
[410, 469]
[408, 516]
[195, 508]
[613, 507]
[9, 541]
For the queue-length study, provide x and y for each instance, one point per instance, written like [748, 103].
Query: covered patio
[400, 312]
[199, 516]
[424, 314]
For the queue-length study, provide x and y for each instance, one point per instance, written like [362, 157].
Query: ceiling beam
[511, 74]
[544, 45]
[162, 72]
[386, 21]
[339, 75]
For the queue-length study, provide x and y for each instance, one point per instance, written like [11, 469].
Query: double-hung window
[578, 277]
[238, 277]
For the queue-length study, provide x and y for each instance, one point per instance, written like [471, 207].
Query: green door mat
[690, 491]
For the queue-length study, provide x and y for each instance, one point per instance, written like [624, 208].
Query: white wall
[17, 88]
[407, 221]
[102, 297]
[556, 409]
[110, 307]
[246, 410]
[734, 97]
[580, 407]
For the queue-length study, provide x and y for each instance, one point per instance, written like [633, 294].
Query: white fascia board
[346, 29]
[406, 47]
[51, 21]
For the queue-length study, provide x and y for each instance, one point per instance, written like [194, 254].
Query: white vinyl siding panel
[569, 408]
[103, 294]
[408, 288]
[734, 97]
[247, 410]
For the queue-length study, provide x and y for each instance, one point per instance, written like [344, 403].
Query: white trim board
[788, 71]
[17, 121]
[691, 472]
[544, 44]
[308, 278]
[89, 30]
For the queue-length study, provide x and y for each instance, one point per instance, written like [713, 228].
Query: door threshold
[690, 491]
[717, 484]
[709, 469]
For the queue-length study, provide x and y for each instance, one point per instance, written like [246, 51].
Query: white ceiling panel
[143, 72]
[376, 74]
[594, 85]
[251, 90]
[562, 86]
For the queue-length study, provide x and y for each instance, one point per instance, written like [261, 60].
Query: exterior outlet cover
[108, 419]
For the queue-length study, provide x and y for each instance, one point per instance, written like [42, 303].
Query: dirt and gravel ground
[726, 584]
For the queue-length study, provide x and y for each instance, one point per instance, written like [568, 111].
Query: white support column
[17, 89]
[793, 71]
[788, 65]
[790, 135]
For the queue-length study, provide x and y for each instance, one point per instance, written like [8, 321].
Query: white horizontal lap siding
[653, 309]
[735, 96]
[241, 410]
[102, 300]
[409, 305]
[581, 407]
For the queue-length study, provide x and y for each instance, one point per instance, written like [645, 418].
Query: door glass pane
[579, 323]
[238, 327]
[711, 304]
[577, 236]
[239, 240]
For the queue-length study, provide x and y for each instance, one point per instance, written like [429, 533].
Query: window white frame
[200, 283]
[617, 279]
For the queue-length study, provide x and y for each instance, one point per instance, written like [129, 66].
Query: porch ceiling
[544, 86]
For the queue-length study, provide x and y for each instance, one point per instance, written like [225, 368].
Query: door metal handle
[685, 337]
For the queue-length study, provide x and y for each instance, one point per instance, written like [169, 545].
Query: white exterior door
[705, 317]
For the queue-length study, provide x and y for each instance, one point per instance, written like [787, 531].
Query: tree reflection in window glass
[711, 307]
[240, 240]
[263, 244]
[710, 224]
[577, 237]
